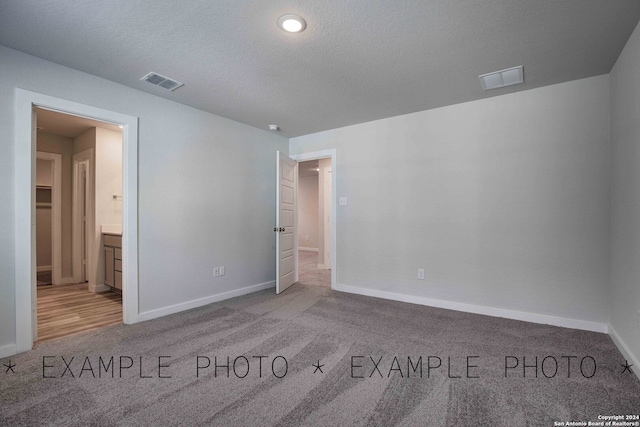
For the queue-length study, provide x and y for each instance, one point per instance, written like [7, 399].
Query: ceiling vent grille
[162, 81]
[502, 78]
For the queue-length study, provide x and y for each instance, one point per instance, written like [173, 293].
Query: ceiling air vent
[503, 78]
[162, 81]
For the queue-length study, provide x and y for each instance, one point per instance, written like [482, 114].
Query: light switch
[343, 201]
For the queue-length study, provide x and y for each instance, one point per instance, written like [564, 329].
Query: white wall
[625, 217]
[503, 201]
[85, 141]
[190, 217]
[308, 211]
[43, 172]
[108, 182]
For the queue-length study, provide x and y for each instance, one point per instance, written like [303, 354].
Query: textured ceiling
[358, 60]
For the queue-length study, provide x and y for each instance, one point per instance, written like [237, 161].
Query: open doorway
[78, 209]
[326, 165]
[314, 222]
[24, 220]
[287, 218]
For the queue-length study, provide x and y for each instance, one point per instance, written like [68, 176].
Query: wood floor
[69, 309]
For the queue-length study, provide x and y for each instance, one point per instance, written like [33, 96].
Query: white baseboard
[8, 350]
[153, 314]
[99, 288]
[302, 248]
[479, 309]
[323, 267]
[66, 281]
[43, 268]
[626, 352]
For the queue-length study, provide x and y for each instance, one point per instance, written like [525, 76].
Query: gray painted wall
[625, 223]
[503, 201]
[206, 188]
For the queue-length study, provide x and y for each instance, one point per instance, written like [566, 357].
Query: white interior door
[286, 222]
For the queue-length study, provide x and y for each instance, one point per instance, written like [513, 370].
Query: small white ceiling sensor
[273, 127]
[502, 78]
[162, 81]
[292, 23]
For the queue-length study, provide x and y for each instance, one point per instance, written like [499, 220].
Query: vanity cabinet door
[109, 264]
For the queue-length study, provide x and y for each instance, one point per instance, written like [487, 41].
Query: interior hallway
[308, 272]
[68, 309]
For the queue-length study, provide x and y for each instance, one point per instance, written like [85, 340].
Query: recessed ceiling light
[292, 23]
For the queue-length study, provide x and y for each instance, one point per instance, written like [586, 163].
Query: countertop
[112, 229]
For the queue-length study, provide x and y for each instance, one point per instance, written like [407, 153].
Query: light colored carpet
[307, 324]
[308, 272]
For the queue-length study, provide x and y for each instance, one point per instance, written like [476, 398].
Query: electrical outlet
[222, 270]
[638, 318]
[216, 272]
[421, 273]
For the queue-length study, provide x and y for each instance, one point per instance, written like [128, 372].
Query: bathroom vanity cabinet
[112, 260]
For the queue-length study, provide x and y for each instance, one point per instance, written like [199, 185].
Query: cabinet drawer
[118, 253]
[118, 277]
[118, 265]
[115, 241]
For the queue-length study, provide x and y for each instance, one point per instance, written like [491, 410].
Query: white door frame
[89, 223]
[56, 213]
[24, 191]
[328, 199]
[324, 154]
